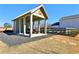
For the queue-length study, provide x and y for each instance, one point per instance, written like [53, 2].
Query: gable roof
[33, 10]
[56, 23]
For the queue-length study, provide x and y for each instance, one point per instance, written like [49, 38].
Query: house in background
[2, 29]
[56, 25]
[24, 24]
[70, 21]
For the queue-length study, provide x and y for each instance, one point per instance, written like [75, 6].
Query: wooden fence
[56, 30]
[63, 31]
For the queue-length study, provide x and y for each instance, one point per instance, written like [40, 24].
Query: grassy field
[57, 44]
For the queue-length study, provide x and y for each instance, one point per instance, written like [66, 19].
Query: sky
[55, 11]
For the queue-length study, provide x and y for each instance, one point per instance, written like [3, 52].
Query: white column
[24, 24]
[14, 26]
[31, 23]
[38, 26]
[19, 26]
[45, 26]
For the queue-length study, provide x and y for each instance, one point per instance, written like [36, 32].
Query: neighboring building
[24, 24]
[70, 21]
[56, 25]
[3, 29]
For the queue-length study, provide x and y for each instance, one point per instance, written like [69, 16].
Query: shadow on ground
[12, 39]
[9, 32]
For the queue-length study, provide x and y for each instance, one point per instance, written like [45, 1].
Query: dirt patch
[57, 44]
[3, 47]
[76, 37]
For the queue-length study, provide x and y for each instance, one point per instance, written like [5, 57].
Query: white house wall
[69, 23]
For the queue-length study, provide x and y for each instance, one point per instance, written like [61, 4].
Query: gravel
[11, 39]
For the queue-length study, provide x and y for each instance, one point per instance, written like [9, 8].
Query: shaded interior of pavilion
[35, 24]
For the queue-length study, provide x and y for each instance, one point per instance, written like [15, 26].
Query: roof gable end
[41, 8]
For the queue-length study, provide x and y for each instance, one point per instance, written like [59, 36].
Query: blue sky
[55, 11]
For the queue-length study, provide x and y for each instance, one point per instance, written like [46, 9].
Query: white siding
[69, 23]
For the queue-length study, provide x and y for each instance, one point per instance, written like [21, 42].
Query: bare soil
[55, 44]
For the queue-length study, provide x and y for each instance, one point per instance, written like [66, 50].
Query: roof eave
[21, 15]
[31, 11]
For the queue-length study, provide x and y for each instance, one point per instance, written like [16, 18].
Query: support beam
[38, 26]
[19, 26]
[14, 26]
[31, 24]
[45, 26]
[24, 24]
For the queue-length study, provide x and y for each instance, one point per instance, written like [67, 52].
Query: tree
[7, 25]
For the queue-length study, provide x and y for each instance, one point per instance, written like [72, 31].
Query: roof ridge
[31, 10]
[71, 15]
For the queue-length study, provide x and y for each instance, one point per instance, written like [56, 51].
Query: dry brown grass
[54, 44]
[3, 47]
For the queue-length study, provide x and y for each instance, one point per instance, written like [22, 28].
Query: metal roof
[70, 17]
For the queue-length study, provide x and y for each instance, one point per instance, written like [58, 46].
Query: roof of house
[33, 10]
[54, 24]
[70, 17]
